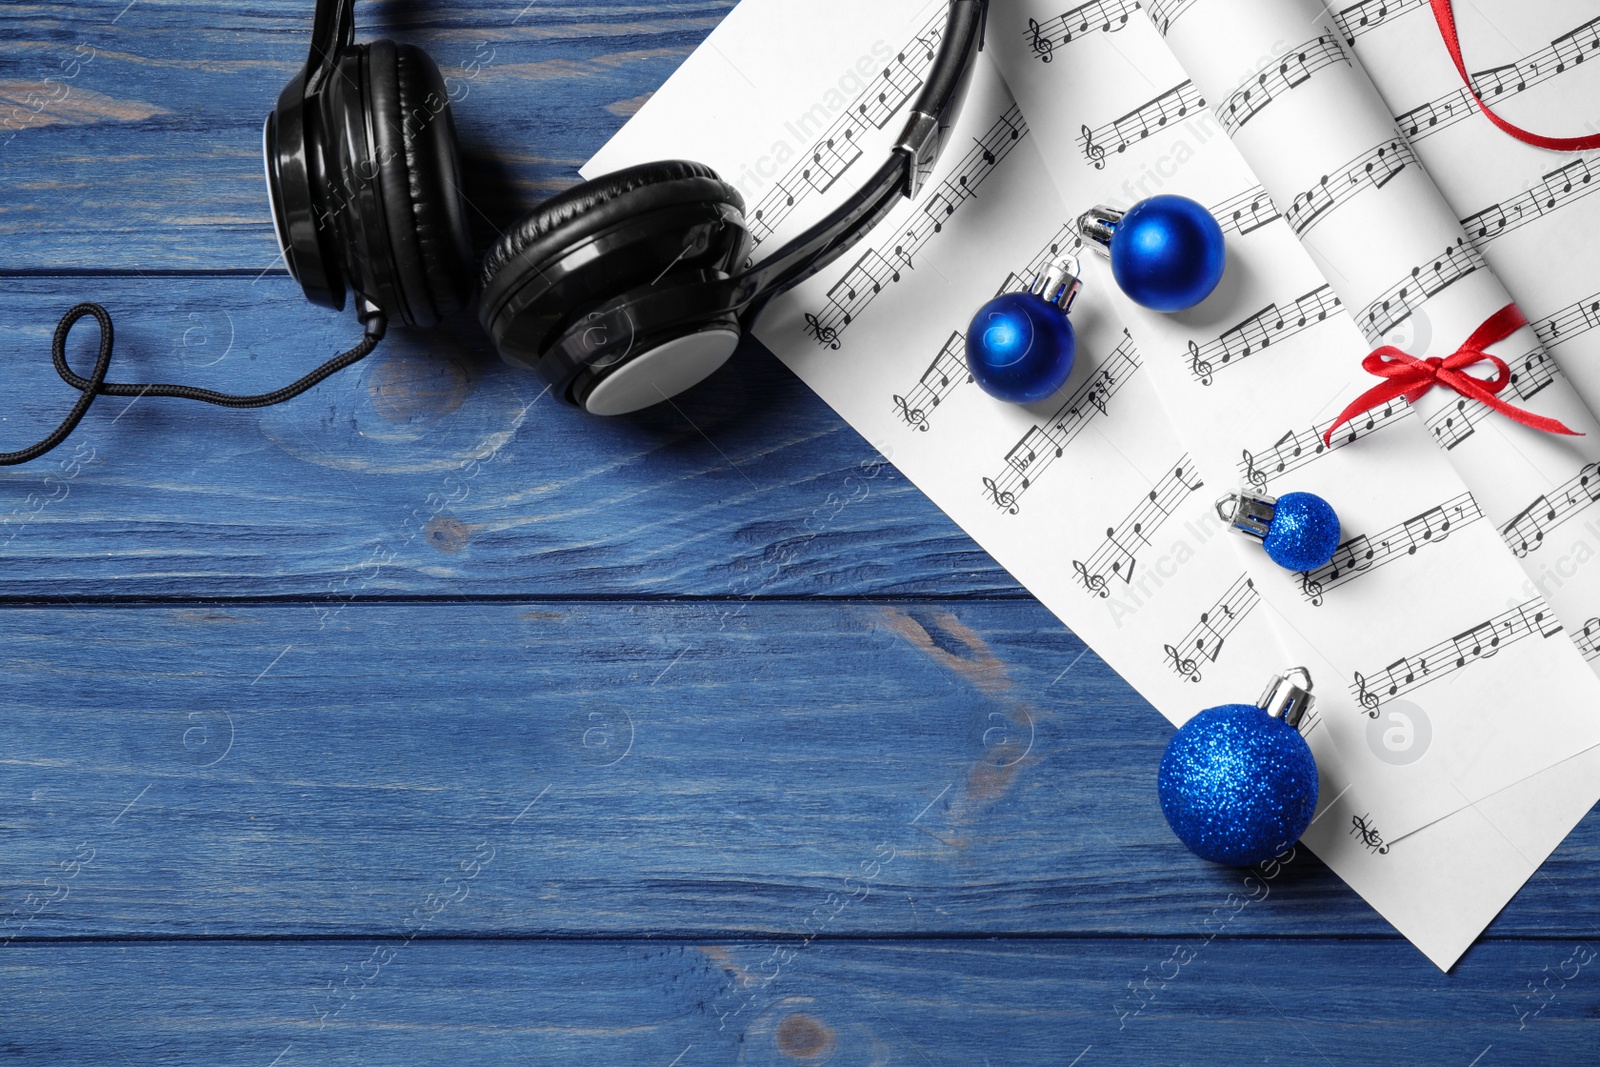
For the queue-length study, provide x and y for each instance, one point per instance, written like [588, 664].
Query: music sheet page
[1097, 500]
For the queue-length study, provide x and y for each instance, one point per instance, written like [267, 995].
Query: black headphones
[619, 293]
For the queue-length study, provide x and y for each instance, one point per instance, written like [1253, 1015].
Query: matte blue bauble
[1237, 785]
[1021, 348]
[1168, 253]
[1304, 533]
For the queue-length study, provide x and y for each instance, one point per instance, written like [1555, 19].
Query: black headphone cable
[95, 384]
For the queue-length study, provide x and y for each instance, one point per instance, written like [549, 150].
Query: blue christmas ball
[1168, 253]
[1021, 348]
[1237, 785]
[1304, 532]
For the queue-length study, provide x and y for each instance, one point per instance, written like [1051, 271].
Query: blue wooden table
[424, 720]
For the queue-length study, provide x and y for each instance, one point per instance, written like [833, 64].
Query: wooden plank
[131, 133]
[707, 769]
[963, 1004]
[447, 468]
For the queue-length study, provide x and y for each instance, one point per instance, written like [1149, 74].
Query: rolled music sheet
[1347, 178]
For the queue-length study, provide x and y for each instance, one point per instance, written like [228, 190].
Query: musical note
[1531, 374]
[1559, 188]
[1368, 15]
[833, 151]
[1371, 170]
[1569, 322]
[1297, 68]
[1531, 619]
[1117, 557]
[1045, 443]
[1206, 640]
[948, 371]
[830, 160]
[1525, 533]
[1259, 332]
[1562, 54]
[1115, 136]
[1362, 828]
[1162, 12]
[1588, 639]
[873, 272]
[1366, 552]
[1295, 449]
[1106, 16]
[1401, 300]
[1246, 213]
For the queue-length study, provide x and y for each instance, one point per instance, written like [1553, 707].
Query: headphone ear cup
[408, 241]
[648, 228]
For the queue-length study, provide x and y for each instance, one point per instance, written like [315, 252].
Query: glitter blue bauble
[1168, 253]
[1020, 348]
[1237, 785]
[1304, 532]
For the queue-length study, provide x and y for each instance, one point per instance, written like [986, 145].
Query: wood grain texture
[426, 719]
[708, 769]
[150, 157]
[437, 460]
[961, 1004]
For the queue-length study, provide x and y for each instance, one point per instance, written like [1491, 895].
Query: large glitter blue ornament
[1300, 531]
[1021, 347]
[1238, 783]
[1167, 252]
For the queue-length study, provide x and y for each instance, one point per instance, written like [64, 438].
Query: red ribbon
[1447, 25]
[1411, 377]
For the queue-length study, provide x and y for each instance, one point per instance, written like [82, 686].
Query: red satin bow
[1446, 18]
[1411, 377]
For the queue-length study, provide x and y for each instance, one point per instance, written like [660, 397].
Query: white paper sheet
[1096, 477]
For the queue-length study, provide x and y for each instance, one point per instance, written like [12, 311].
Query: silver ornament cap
[1248, 513]
[1286, 699]
[1098, 225]
[1060, 282]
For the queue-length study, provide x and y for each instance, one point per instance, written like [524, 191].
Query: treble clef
[915, 418]
[1003, 499]
[1199, 366]
[825, 335]
[1184, 667]
[1094, 583]
[1252, 474]
[1093, 152]
[1312, 588]
[1043, 47]
[1366, 699]
[1370, 837]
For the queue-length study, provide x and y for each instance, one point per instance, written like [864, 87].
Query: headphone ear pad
[419, 182]
[639, 227]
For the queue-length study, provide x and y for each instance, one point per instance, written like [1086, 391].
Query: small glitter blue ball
[1304, 533]
[1237, 785]
[1168, 253]
[1021, 348]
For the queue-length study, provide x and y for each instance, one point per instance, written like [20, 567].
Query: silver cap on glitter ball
[1248, 513]
[1286, 700]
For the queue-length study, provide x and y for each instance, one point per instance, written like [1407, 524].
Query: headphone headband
[333, 31]
[915, 154]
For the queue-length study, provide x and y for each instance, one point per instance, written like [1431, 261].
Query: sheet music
[1087, 498]
[1096, 476]
[1252, 380]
